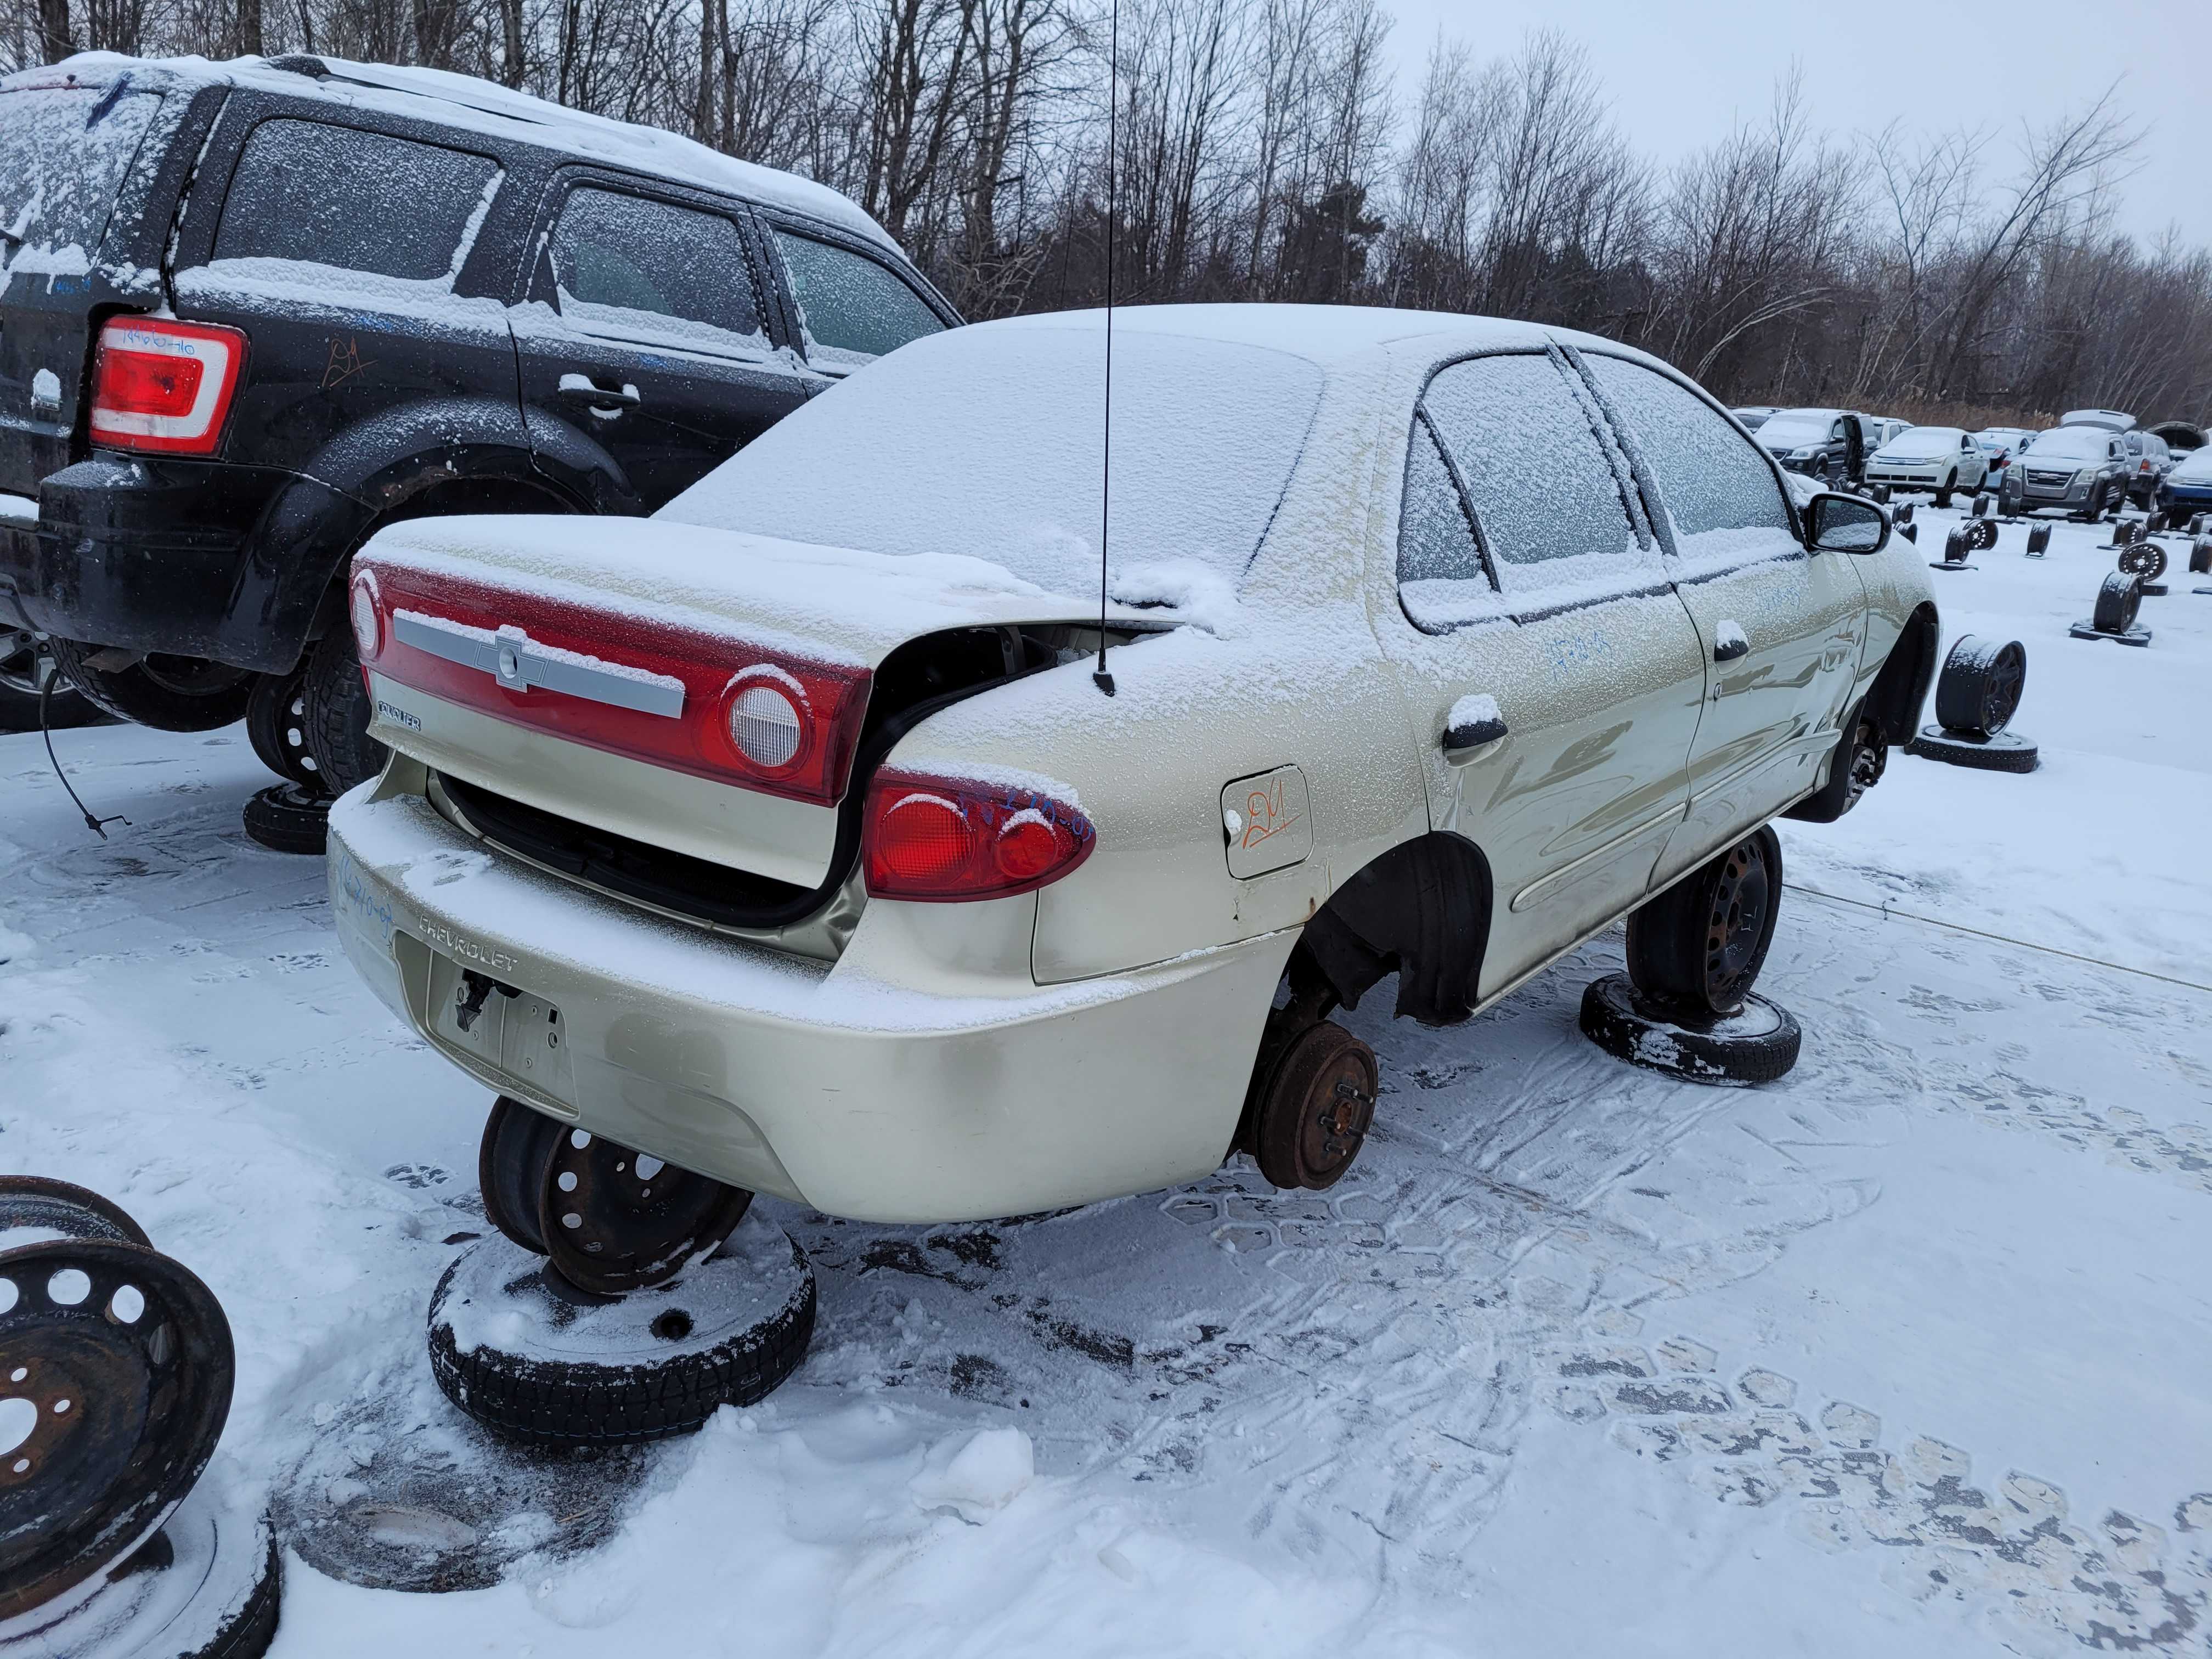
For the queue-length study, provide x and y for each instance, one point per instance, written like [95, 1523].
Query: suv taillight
[936, 840]
[164, 386]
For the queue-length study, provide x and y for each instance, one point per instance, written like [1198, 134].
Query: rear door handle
[1472, 729]
[583, 389]
[1729, 643]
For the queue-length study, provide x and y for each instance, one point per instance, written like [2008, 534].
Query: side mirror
[1844, 524]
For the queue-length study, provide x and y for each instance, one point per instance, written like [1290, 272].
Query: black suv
[255, 310]
[1830, 445]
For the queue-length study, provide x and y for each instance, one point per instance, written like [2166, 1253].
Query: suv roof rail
[298, 63]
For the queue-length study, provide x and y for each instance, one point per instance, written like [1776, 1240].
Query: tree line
[1264, 149]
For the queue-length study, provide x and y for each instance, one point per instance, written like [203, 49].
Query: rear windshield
[987, 441]
[65, 152]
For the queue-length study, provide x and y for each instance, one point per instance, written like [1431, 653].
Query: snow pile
[976, 1475]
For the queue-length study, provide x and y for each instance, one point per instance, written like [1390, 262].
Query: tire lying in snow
[206, 1586]
[289, 817]
[533, 1358]
[2007, 751]
[1980, 689]
[1758, 1043]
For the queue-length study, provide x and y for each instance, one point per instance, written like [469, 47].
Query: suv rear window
[65, 152]
[318, 194]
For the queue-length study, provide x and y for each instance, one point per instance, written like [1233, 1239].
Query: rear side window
[853, 309]
[1436, 538]
[1712, 477]
[64, 153]
[1543, 490]
[309, 192]
[640, 269]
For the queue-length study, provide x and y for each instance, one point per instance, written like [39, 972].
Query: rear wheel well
[1900, 689]
[1421, 911]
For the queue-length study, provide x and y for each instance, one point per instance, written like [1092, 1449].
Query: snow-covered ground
[1911, 1353]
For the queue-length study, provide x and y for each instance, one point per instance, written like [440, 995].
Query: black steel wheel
[116, 1368]
[2144, 559]
[276, 726]
[2200, 556]
[170, 694]
[1980, 689]
[533, 1358]
[1698, 946]
[614, 1219]
[1982, 534]
[1316, 1111]
[289, 817]
[2120, 597]
[1958, 542]
[2038, 539]
[64, 1207]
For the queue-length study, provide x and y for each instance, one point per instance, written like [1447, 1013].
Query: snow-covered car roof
[468, 103]
[1321, 334]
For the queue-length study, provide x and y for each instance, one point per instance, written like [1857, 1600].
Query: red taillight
[934, 839]
[164, 386]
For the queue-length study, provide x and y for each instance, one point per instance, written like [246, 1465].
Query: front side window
[1544, 492]
[1710, 477]
[637, 269]
[312, 193]
[853, 310]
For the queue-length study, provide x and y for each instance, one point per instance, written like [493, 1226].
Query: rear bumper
[893, 1086]
[157, 557]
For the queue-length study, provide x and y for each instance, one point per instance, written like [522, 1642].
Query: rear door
[647, 326]
[1532, 591]
[340, 250]
[1780, 630]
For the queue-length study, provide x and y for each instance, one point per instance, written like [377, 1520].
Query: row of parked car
[2094, 460]
[773, 762]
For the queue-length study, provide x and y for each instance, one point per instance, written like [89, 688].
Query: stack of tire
[116, 1368]
[622, 1300]
[1976, 696]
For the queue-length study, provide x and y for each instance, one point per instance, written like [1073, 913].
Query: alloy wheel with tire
[26, 664]
[1980, 689]
[1699, 945]
[168, 693]
[338, 714]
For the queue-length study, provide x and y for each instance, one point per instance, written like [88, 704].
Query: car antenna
[1099, 677]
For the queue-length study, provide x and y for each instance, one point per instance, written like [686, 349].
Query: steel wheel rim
[120, 1410]
[1738, 920]
[614, 1220]
[64, 1207]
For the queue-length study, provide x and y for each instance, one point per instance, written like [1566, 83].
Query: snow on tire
[206, 1586]
[534, 1359]
[1758, 1043]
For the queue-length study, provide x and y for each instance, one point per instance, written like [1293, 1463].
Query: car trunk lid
[588, 670]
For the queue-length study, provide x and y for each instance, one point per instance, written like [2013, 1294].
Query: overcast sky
[1680, 74]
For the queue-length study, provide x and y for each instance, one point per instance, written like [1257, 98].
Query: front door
[1780, 630]
[1547, 655]
[646, 331]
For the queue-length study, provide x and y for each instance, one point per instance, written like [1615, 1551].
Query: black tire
[2200, 556]
[1697, 947]
[1943, 490]
[288, 817]
[276, 726]
[2038, 539]
[1984, 502]
[2008, 752]
[1958, 542]
[337, 715]
[1903, 515]
[591, 1370]
[2118, 598]
[170, 694]
[209, 1585]
[516, 1143]
[1757, 1045]
[1980, 689]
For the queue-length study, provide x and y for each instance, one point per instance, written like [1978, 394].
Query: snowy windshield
[1797, 426]
[2071, 443]
[986, 442]
[1922, 441]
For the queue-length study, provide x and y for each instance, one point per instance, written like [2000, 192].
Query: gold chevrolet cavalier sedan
[793, 840]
